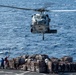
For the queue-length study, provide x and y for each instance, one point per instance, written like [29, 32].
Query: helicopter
[40, 21]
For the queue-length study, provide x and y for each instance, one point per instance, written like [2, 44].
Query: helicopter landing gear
[31, 30]
[43, 36]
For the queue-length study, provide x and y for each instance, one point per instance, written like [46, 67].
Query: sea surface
[16, 38]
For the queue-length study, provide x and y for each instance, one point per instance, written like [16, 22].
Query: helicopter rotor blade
[62, 10]
[39, 10]
[16, 7]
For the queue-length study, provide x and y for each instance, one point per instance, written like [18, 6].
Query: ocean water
[15, 35]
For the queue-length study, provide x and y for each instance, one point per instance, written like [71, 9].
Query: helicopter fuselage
[40, 23]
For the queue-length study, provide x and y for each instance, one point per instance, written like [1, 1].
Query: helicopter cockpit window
[37, 17]
[40, 17]
[43, 17]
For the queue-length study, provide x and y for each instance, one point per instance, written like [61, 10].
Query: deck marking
[23, 73]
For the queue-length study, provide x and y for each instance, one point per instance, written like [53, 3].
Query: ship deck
[19, 72]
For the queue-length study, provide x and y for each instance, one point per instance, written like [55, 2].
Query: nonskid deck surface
[19, 72]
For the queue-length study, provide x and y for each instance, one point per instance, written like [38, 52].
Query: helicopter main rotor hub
[41, 10]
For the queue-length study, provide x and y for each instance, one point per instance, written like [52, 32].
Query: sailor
[6, 62]
[2, 63]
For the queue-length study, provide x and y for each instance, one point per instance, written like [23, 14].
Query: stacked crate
[24, 67]
[42, 66]
[33, 66]
[49, 67]
[66, 64]
[28, 64]
[67, 59]
[11, 64]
